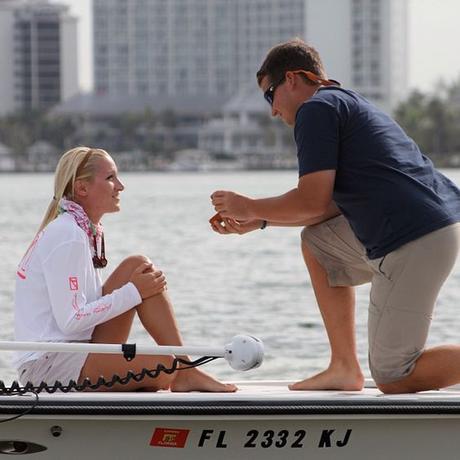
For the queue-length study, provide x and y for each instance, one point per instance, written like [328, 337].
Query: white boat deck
[253, 398]
[257, 390]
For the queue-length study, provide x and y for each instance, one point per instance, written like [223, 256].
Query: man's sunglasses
[269, 94]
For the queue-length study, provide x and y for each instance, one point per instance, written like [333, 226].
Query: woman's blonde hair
[76, 164]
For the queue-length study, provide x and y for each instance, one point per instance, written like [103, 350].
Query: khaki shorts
[405, 285]
[51, 367]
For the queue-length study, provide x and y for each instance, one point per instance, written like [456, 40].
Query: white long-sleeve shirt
[59, 292]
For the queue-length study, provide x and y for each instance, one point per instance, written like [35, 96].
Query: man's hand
[309, 200]
[232, 205]
[226, 226]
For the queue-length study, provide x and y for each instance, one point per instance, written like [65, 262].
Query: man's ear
[290, 79]
[80, 188]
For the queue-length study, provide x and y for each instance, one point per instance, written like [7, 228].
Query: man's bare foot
[197, 380]
[333, 378]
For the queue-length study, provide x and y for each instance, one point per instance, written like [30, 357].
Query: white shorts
[51, 367]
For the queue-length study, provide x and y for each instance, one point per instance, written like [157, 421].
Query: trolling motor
[242, 353]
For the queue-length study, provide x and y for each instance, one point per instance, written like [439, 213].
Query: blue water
[220, 285]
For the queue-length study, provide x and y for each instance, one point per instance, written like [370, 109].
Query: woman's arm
[69, 273]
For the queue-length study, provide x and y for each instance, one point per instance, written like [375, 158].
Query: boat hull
[259, 422]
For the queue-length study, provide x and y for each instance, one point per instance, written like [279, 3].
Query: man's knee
[388, 378]
[309, 250]
[306, 236]
[392, 388]
[392, 374]
[404, 385]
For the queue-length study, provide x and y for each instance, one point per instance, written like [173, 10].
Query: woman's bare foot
[333, 378]
[197, 380]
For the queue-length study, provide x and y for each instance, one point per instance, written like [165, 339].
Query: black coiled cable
[16, 389]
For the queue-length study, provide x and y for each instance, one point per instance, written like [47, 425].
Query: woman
[60, 297]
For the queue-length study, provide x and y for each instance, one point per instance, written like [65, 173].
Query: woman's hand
[148, 280]
[226, 226]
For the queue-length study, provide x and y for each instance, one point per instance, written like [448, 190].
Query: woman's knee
[122, 274]
[132, 262]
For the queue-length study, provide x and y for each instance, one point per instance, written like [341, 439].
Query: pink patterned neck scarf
[81, 218]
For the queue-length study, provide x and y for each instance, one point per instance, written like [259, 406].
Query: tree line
[431, 119]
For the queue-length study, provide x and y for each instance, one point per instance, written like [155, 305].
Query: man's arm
[332, 211]
[311, 199]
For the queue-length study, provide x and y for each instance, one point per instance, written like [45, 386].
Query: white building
[7, 160]
[363, 44]
[246, 131]
[215, 47]
[242, 130]
[179, 47]
[38, 55]
[41, 156]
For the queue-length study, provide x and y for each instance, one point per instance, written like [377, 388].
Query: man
[375, 210]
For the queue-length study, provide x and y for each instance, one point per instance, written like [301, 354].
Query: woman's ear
[80, 188]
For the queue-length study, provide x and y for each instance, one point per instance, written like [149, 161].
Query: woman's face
[103, 190]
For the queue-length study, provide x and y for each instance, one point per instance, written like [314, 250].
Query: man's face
[281, 101]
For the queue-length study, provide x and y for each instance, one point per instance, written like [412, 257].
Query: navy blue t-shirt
[389, 192]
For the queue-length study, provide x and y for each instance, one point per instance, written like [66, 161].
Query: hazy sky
[433, 41]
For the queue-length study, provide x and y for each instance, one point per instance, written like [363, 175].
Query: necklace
[93, 231]
[99, 262]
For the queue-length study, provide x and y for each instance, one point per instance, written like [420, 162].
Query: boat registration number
[252, 439]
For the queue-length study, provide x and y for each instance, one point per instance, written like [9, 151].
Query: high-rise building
[363, 44]
[214, 47]
[178, 47]
[38, 55]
